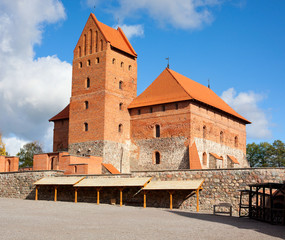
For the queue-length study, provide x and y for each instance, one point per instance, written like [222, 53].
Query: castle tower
[104, 83]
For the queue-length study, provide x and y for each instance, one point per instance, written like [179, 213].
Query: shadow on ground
[243, 223]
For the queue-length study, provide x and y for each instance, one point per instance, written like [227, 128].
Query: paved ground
[28, 219]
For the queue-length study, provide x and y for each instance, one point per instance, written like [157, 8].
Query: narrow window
[85, 127]
[122, 64]
[79, 51]
[88, 63]
[157, 131]
[96, 41]
[163, 108]
[157, 158]
[80, 64]
[86, 104]
[121, 106]
[221, 137]
[121, 85]
[236, 141]
[9, 166]
[97, 60]
[150, 110]
[176, 106]
[90, 41]
[114, 61]
[139, 112]
[204, 131]
[130, 67]
[51, 164]
[88, 83]
[84, 44]
[75, 169]
[101, 45]
[204, 159]
[120, 129]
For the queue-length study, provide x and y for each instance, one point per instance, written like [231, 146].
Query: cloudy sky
[237, 44]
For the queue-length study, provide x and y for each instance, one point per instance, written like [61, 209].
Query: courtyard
[28, 219]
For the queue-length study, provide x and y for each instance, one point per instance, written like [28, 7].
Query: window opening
[157, 158]
[86, 104]
[86, 127]
[120, 129]
[121, 106]
[121, 85]
[88, 83]
[204, 158]
[157, 131]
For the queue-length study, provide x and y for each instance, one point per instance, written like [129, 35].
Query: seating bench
[223, 205]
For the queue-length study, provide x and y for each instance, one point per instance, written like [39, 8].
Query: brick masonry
[221, 185]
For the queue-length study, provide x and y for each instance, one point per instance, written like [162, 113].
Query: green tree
[27, 153]
[2, 147]
[278, 154]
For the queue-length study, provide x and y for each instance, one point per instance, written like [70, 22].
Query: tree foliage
[27, 153]
[265, 154]
[2, 146]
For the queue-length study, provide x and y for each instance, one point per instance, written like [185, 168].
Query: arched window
[114, 61]
[96, 41]
[79, 51]
[122, 64]
[90, 41]
[101, 44]
[75, 169]
[221, 137]
[157, 157]
[121, 106]
[130, 67]
[88, 62]
[120, 129]
[236, 141]
[204, 159]
[88, 83]
[80, 65]
[121, 85]
[86, 103]
[157, 131]
[85, 127]
[204, 132]
[84, 44]
[163, 108]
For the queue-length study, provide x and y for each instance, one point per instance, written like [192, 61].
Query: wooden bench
[223, 205]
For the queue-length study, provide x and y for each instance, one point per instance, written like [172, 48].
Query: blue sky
[237, 44]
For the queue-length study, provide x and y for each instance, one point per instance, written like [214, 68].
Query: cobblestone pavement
[28, 219]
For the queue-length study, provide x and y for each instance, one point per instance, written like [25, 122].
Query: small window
[79, 51]
[120, 129]
[157, 131]
[101, 44]
[139, 112]
[204, 159]
[176, 106]
[86, 103]
[121, 106]
[114, 61]
[75, 169]
[163, 108]
[130, 67]
[236, 141]
[97, 60]
[157, 157]
[80, 65]
[122, 64]
[121, 85]
[88, 83]
[221, 137]
[85, 127]
[88, 62]
[204, 131]
[150, 110]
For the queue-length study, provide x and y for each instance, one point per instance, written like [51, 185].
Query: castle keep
[176, 123]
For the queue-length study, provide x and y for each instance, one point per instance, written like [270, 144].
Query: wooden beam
[121, 197]
[36, 197]
[98, 196]
[144, 199]
[197, 195]
[55, 193]
[75, 195]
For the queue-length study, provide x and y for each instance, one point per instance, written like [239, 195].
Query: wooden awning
[174, 185]
[113, 182]
[58, 181]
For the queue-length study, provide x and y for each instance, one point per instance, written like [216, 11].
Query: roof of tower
[64, 114]
[171, 86]
[116, 38]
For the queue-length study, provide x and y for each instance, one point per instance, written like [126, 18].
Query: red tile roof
[116, 38]
[233, 159]
[64, 114]
[216, 156]
[111, 168]
[171, 86]
[194, 160]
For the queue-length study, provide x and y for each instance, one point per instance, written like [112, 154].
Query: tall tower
[104, 83]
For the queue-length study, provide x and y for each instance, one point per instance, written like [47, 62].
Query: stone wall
[20, 184]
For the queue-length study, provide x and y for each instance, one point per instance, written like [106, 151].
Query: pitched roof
[171, 86]
[64, 114]
[116, 38]
[233, 159]
[111, 168]
[194, 160]
[216, 156]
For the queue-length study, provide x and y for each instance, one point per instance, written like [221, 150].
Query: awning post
[170, 196]
[36, 197]
[121, 196]
[75, 195]
[144, 199]
[197, 195]
[55, 193]
[98, 196]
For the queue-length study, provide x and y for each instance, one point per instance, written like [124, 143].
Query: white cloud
[246, 104]
[13, 145]
[31, 90]
[132, 30]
